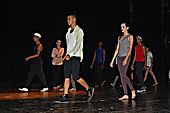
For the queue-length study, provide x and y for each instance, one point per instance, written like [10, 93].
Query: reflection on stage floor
[105, 100]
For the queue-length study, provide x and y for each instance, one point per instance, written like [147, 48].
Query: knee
[67, 79]
[78, 79]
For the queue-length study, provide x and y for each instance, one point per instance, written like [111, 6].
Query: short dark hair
[74, 15]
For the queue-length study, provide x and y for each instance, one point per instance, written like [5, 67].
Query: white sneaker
[44, 89]
[23, 89]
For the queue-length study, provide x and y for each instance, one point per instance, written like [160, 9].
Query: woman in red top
[140, 62]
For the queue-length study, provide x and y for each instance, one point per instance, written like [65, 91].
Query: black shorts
[72, 66]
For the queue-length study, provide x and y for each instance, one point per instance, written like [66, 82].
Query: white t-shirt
[149, 54]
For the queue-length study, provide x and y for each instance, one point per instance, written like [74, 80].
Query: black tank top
[35, 52]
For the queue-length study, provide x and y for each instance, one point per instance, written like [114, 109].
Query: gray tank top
[123, 46]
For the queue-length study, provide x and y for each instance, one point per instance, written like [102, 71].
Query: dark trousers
[36, 69]
[97, 73]
[139, 71]
[124, 79]
[57, 75]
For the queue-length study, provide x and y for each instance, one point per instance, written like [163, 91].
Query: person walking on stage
[140, 62]
[123, 50]
[73, 57]
[98, 64]
[36, 65]
[149, 66]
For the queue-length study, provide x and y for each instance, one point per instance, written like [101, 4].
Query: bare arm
[52, 54]
[115, 54]
[39, 48]
[104, 58]
[144, 51]
[94, 58]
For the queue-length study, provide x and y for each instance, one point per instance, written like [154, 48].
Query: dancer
[149, 66]
[36, 65]
[98, 64]
[57, 54]
[73, 57]
[140, 62]
[123, 50]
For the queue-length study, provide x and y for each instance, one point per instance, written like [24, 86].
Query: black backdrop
[100, 21]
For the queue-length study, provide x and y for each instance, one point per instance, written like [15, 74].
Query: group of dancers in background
[71, 58]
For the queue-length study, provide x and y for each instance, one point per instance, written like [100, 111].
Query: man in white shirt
[73, 57]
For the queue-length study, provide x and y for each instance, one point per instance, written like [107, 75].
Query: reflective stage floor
[155, 99]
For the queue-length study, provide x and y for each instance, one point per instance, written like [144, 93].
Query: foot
[125, 97]
[44, 89]
[112, 84]
[64, 98]
[23, 89]
[96, 86]
[55, 88]
[155, 84]
[59, 86]
[142, 89]
[103, 83]
[62, 89]
[72, 89]
[120, 86]
[133, 94]
[90, 93]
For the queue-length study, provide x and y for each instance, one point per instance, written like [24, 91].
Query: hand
[124, 62]
[56, 55]
[27, 58]
[132, 67]
[102, 67]
[67, 57]
[145, 67]
[111, 64]
[91, 66]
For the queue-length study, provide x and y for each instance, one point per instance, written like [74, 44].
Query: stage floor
[155, 99]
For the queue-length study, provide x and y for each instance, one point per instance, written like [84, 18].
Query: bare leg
[83, 83]
[66, 85]
[153, 75]
[125, 97]
[133, 94]
[146, 74]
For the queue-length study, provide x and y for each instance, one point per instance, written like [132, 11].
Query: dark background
[100, 21]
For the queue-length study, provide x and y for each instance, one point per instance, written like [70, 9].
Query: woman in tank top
[123, 54]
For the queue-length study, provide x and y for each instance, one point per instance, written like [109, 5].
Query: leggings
[36, 69]
[124, 79]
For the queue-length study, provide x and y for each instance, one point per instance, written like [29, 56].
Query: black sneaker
[142, 89]
[90, 93]
[64, 98]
